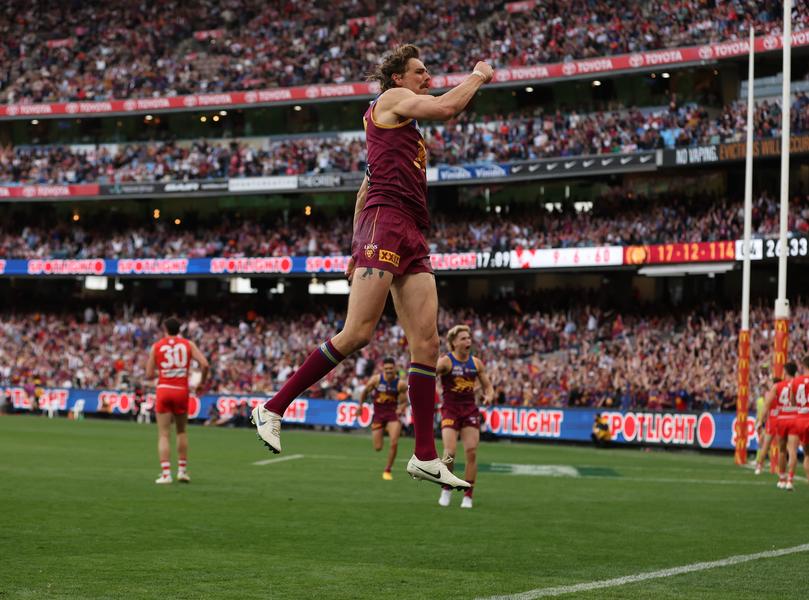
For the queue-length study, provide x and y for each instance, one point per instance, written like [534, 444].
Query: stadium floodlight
[781, 341]
[743, 365]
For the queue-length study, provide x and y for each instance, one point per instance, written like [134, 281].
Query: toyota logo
[29, 191]
[636, 60]
[770, 42]
[706, 52]
[312, 91]
[250, 97]
[12, 110]
[569, 68]
[130, 105]
[190, 100]
[72, 107]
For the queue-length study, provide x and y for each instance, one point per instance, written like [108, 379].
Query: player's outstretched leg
[267, 417]
[369, 291]
[268, 427]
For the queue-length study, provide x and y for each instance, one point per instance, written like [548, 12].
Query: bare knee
[425, 350]
[356, 338]
[471, 455]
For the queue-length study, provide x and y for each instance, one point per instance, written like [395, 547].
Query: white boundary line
[270, 461]
[607, 583]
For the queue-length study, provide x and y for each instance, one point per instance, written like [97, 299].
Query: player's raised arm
[488, 388]
[406, 103]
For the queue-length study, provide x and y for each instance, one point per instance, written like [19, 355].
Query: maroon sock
[468, 492]
[421, 384]
[315, 368]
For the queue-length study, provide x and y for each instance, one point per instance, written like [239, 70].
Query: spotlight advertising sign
[697, 430]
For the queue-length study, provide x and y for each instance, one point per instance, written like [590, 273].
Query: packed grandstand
[117, 49]
[592, 334]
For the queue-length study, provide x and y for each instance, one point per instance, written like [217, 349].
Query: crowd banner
[637, 61]
[696, 430]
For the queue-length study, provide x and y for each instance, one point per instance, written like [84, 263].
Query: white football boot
[435, 471]
[445, 497]
[781, 484]
[268, 427]
[789, 487]
[183, 477]
[466, 502]
[163, 479]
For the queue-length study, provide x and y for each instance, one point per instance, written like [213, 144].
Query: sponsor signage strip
[519, 259]
[541, 169]
[687, 430]
[571, 69]
[736, 151]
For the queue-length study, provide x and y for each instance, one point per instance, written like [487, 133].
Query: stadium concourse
[114, 49]
[469, 139]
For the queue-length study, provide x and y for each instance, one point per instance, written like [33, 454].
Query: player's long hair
[393, 63]
[453, 333]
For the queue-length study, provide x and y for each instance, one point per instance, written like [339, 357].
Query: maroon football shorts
[384, 414]
[458, 416]
[388, 239]
[171, 400]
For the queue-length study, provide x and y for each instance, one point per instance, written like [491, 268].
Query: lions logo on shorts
[370, 249]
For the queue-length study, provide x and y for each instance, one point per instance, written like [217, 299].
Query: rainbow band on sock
[421, 370]
[328, 351]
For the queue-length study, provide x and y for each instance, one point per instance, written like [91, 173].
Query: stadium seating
[581, 355]
[471, 138]
[115, 49]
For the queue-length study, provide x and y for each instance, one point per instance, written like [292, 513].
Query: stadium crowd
[116, 49]
[620, 218]
[471, 138]
[582, 355]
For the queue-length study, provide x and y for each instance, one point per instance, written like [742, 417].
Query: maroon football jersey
[386, 392]
[397, 167]
[459, 384]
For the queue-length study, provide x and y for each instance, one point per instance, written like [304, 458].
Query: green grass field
[82, 518]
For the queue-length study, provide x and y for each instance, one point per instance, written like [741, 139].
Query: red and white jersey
[172, 356]
[781, 400]
[799, 393]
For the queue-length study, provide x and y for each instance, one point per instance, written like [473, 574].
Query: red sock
[791, 476]
[316, 367]
[421, 390]
[182, 464]
[165, 468]
[471, 489]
